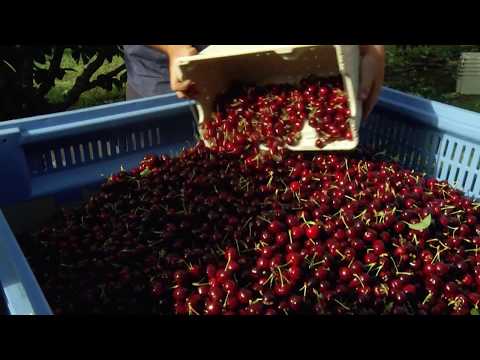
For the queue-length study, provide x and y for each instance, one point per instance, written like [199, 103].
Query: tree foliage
[426, 70]
[28, 73]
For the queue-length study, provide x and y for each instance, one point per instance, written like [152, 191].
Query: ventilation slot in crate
[79, 152]
[424, 149]
[107, 145]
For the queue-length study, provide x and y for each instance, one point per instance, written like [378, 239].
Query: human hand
[182, 88]
[372, 75]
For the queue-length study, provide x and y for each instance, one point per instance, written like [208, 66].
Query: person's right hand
[372, 74]
[182, 88]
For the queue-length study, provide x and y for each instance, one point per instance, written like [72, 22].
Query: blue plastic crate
[21, 291]
[441, 140]
[60, 155]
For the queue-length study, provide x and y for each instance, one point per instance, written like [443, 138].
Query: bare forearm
[173, 52]
[377, 50]
[371, 76]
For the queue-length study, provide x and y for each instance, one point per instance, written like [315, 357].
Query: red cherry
[441, 269]
[294, 258]
[345, 274]
[409, 290]
[244, 295]
[312, 232]
[295, 186]
[297, 232]
[321, 273]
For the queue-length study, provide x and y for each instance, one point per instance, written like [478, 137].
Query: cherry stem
[297, 196]
[281, 276]
[370, 267]
[272, 278]
[342, 305]
[348, 172]
[269, 278]
[359, 279]
[271, 179]
[318, 263]
[339, 253]
[394, 264]
[344, 222]
[378, 270]
[304, 220]
[427, 298]
[384, 288]
[192, 310]
[312, 261]
[226, 299]
[228, 262]
[264, 219]
[361, 214]
[238, 246]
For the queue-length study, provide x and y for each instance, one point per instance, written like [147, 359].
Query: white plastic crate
[468, 81]
[218, 66]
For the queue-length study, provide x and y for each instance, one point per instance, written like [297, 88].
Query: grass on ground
[469, 102]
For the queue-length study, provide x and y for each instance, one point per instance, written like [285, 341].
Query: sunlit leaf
[422, 225]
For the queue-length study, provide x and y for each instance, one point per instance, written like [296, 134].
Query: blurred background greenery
[92, 97]
[429, 71]
[41, 80]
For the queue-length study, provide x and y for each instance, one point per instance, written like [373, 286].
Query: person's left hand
[185, 88]
[372, 74]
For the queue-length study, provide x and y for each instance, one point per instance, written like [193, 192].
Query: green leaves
[474, 311]
[145, 172]
[20, 64]
[431, 68]
[117, 83]
[422, 225]
[389, 307]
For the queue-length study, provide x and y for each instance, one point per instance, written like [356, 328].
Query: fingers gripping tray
[219, 66]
